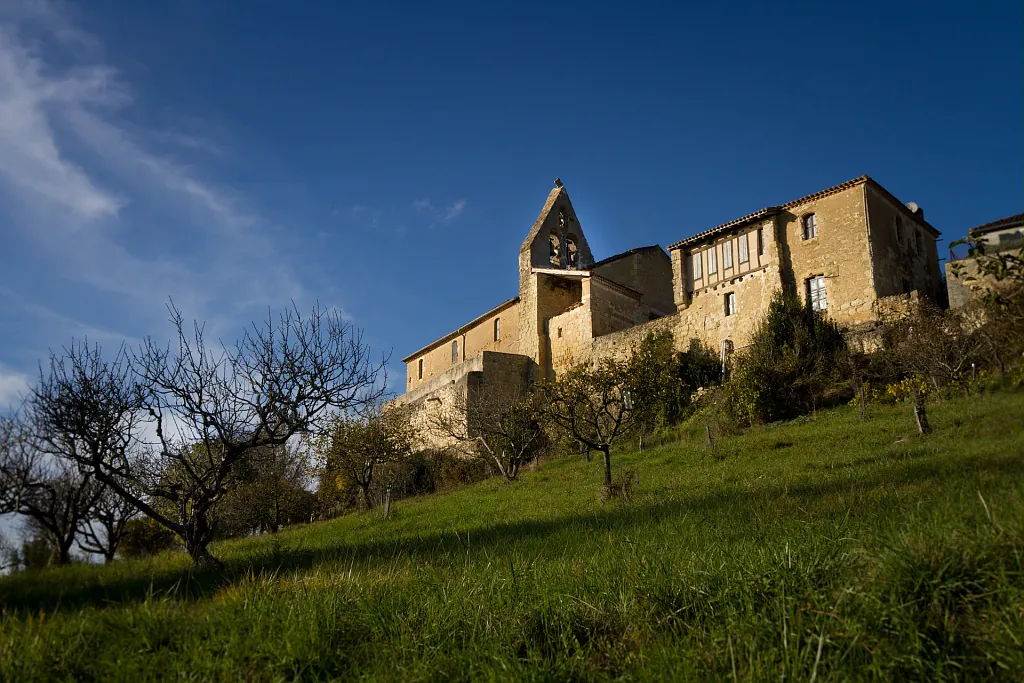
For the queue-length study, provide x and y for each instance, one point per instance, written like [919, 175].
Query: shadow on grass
[21, 594]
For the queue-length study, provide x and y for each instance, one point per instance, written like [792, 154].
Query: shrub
[144, 537]
[795, 356]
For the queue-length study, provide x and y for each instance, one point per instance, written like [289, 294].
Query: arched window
[497, 329]
[421, 368]
[554, 250]
[455, 352]
[810, 224]
[571, 255]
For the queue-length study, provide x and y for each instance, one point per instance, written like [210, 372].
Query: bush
[143, 537]
[795, 358]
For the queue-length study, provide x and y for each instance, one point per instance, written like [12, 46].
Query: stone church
[850, 250]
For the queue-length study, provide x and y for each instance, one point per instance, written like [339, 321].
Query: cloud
[29, 153]
[13, 387]
[455, 210]
[440, 215]
[105, 199]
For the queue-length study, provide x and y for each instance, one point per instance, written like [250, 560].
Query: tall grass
[829, 548]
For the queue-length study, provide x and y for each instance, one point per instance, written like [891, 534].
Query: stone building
[1005, 234]
[846, 250]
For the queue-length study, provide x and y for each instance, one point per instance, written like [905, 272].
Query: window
[917, 240]
[744, 248]
[570, 252]
[899, 229]
[712, 261]
[730, 303]
[810, 226]
[727, 254]
[455, 352]
[497, 329]
[816, 293]
[554, 250]
[421, 368]
[760, 241]
[559, 332]
[697, 272]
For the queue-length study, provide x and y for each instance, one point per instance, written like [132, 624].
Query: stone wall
[647, 270]
[621, 345]
[899, 265]
[839, 252]
[481, 370]
[960, 291]
[614, 308]
[472, 339]
[705, 318]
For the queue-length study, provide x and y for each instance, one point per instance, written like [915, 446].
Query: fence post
[921, 414]
[387, 502]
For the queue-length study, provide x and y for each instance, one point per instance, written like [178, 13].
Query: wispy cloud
[30, 94]
[82, 177]
[440, 215]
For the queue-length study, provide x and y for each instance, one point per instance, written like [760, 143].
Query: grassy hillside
[830, 548]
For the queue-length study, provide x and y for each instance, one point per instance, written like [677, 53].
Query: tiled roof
[835, 189]
[627, 253]
[1001, 224]
[701, 236]
[772, 210]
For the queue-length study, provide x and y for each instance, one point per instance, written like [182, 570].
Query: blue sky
[387, 160]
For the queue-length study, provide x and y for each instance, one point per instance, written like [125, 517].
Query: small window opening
[559, 332]
[420, 364]
[697, 272]
[810, 226]
[730, 303]
[760, 241]
[571, 257]
[727, 254]
[554, 250]
[899, 229]
[455, 352]
[816, 293]
[917, 240]
[744, 248]
[497, 329]
[712, 260]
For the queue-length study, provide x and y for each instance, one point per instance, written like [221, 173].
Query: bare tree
[594, 405]
[358, 446]
[210, 409]
[497, 423]
[53, 493]
[937, 345]
[103, 529]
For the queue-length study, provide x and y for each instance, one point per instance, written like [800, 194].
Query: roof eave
[458, 331]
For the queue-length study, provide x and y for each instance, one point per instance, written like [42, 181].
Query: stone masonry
[846, 250]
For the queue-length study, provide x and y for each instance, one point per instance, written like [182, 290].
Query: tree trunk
[64, 551]
[366, 495]
[920, 414]
[202, 559]
[607, 465]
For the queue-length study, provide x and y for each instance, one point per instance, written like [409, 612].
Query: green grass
[831, 548]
